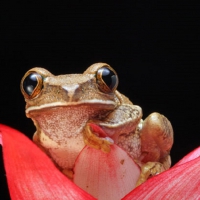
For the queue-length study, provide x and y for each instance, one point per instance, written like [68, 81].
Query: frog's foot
[148, 170]
[95, 137]
[156, 138]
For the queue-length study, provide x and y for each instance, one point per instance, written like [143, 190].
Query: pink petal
[192, 155]
[106, 175]
[31, 174]
[179, 182]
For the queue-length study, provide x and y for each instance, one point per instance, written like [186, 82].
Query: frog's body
[64, 108]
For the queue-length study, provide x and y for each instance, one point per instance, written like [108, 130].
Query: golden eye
[31, 84]
[107, 79]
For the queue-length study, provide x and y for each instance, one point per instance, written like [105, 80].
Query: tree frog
[68, 110]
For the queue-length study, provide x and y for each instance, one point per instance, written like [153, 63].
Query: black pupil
[109, 77]
[30, 82]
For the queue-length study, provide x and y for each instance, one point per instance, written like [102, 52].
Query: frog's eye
[31, 84]
[107, 79]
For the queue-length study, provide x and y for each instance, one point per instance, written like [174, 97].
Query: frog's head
[96, 86]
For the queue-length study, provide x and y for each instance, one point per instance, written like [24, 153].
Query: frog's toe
[95, 137]
[148, 170]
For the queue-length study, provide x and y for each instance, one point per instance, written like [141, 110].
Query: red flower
[32, 175]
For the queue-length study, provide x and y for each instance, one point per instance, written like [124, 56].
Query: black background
[153, 46]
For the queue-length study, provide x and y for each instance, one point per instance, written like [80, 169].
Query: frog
[71, 111]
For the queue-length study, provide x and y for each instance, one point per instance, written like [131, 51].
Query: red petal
[192, 155]
[179, 182]
[31, 174]
[106, 175]
[98, 129]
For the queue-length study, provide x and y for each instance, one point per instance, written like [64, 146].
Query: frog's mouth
[99, 104]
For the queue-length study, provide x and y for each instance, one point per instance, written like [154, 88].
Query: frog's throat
[102, 103]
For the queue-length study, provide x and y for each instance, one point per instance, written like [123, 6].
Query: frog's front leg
[100, 134]
[156, 139]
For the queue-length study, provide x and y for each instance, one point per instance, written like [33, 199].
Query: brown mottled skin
[62, 107]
